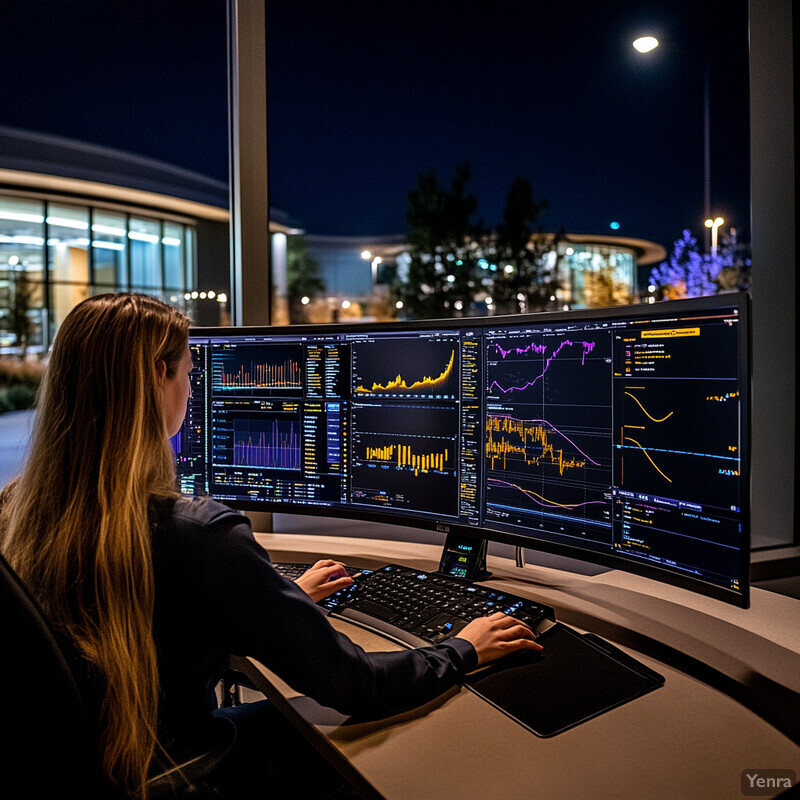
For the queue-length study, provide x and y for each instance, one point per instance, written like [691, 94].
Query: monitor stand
[464, 558]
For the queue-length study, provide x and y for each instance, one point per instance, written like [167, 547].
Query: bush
[16, 398]
[19, 383]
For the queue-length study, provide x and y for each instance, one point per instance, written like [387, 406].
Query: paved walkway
[15, 428]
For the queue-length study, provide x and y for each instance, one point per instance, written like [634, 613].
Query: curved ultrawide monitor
[615, 435]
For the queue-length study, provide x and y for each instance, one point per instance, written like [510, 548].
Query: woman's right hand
[498, 635]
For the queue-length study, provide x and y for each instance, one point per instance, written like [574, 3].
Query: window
[55, 254]
[174, 252]
[109, 250]
[67, 258]
[145, 246]
[21, 272]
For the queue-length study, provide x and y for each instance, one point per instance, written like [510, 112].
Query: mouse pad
[576, 677]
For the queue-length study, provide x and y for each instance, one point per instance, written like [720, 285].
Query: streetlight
[714, 224]
[644, 44]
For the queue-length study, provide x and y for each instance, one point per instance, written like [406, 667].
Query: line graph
[423, 384]
[530, 465]
[533, 349]
[647, 413]
[647, 456]
[406, 367]
[680, 437]
[543, 501]
[541, 349]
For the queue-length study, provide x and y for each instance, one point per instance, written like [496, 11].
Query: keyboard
[420, 608]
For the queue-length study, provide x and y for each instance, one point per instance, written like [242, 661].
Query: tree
[735, 262]
[20, 321]
[440, 278]
[303, 278]
[602, 288]
[687, 273]
[523, 278]
[453, 261]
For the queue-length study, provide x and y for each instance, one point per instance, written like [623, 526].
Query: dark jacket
[218, 594]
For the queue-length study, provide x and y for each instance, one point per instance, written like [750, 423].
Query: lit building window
[109, 250]
[64, 252]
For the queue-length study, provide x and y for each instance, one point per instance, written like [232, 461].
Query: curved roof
[646, 252]
[52, 163]
[42, 162]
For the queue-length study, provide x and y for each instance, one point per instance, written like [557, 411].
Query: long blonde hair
[76, 525]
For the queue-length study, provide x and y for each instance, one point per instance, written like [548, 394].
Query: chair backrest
[49, 744]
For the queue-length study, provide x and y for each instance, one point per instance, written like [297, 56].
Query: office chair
[49, 743]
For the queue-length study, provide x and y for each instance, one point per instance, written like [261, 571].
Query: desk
[730, 702]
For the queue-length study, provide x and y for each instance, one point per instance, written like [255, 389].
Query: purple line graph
[277, 447]
[533, 348]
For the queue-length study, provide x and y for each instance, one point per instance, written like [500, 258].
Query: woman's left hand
[323, 579]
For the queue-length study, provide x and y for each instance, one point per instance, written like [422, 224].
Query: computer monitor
[615, 435]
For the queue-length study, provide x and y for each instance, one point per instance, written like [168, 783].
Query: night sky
[365, 96]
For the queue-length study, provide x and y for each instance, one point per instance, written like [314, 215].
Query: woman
[152, 590]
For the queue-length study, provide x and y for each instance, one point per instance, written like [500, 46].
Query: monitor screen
[615, 435]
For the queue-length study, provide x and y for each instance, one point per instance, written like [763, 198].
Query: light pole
[367, 256]
[646, 44]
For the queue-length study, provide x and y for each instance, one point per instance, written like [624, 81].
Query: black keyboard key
[440, 627]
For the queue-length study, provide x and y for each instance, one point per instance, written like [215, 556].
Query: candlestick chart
[405, 456]
[530, 442]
